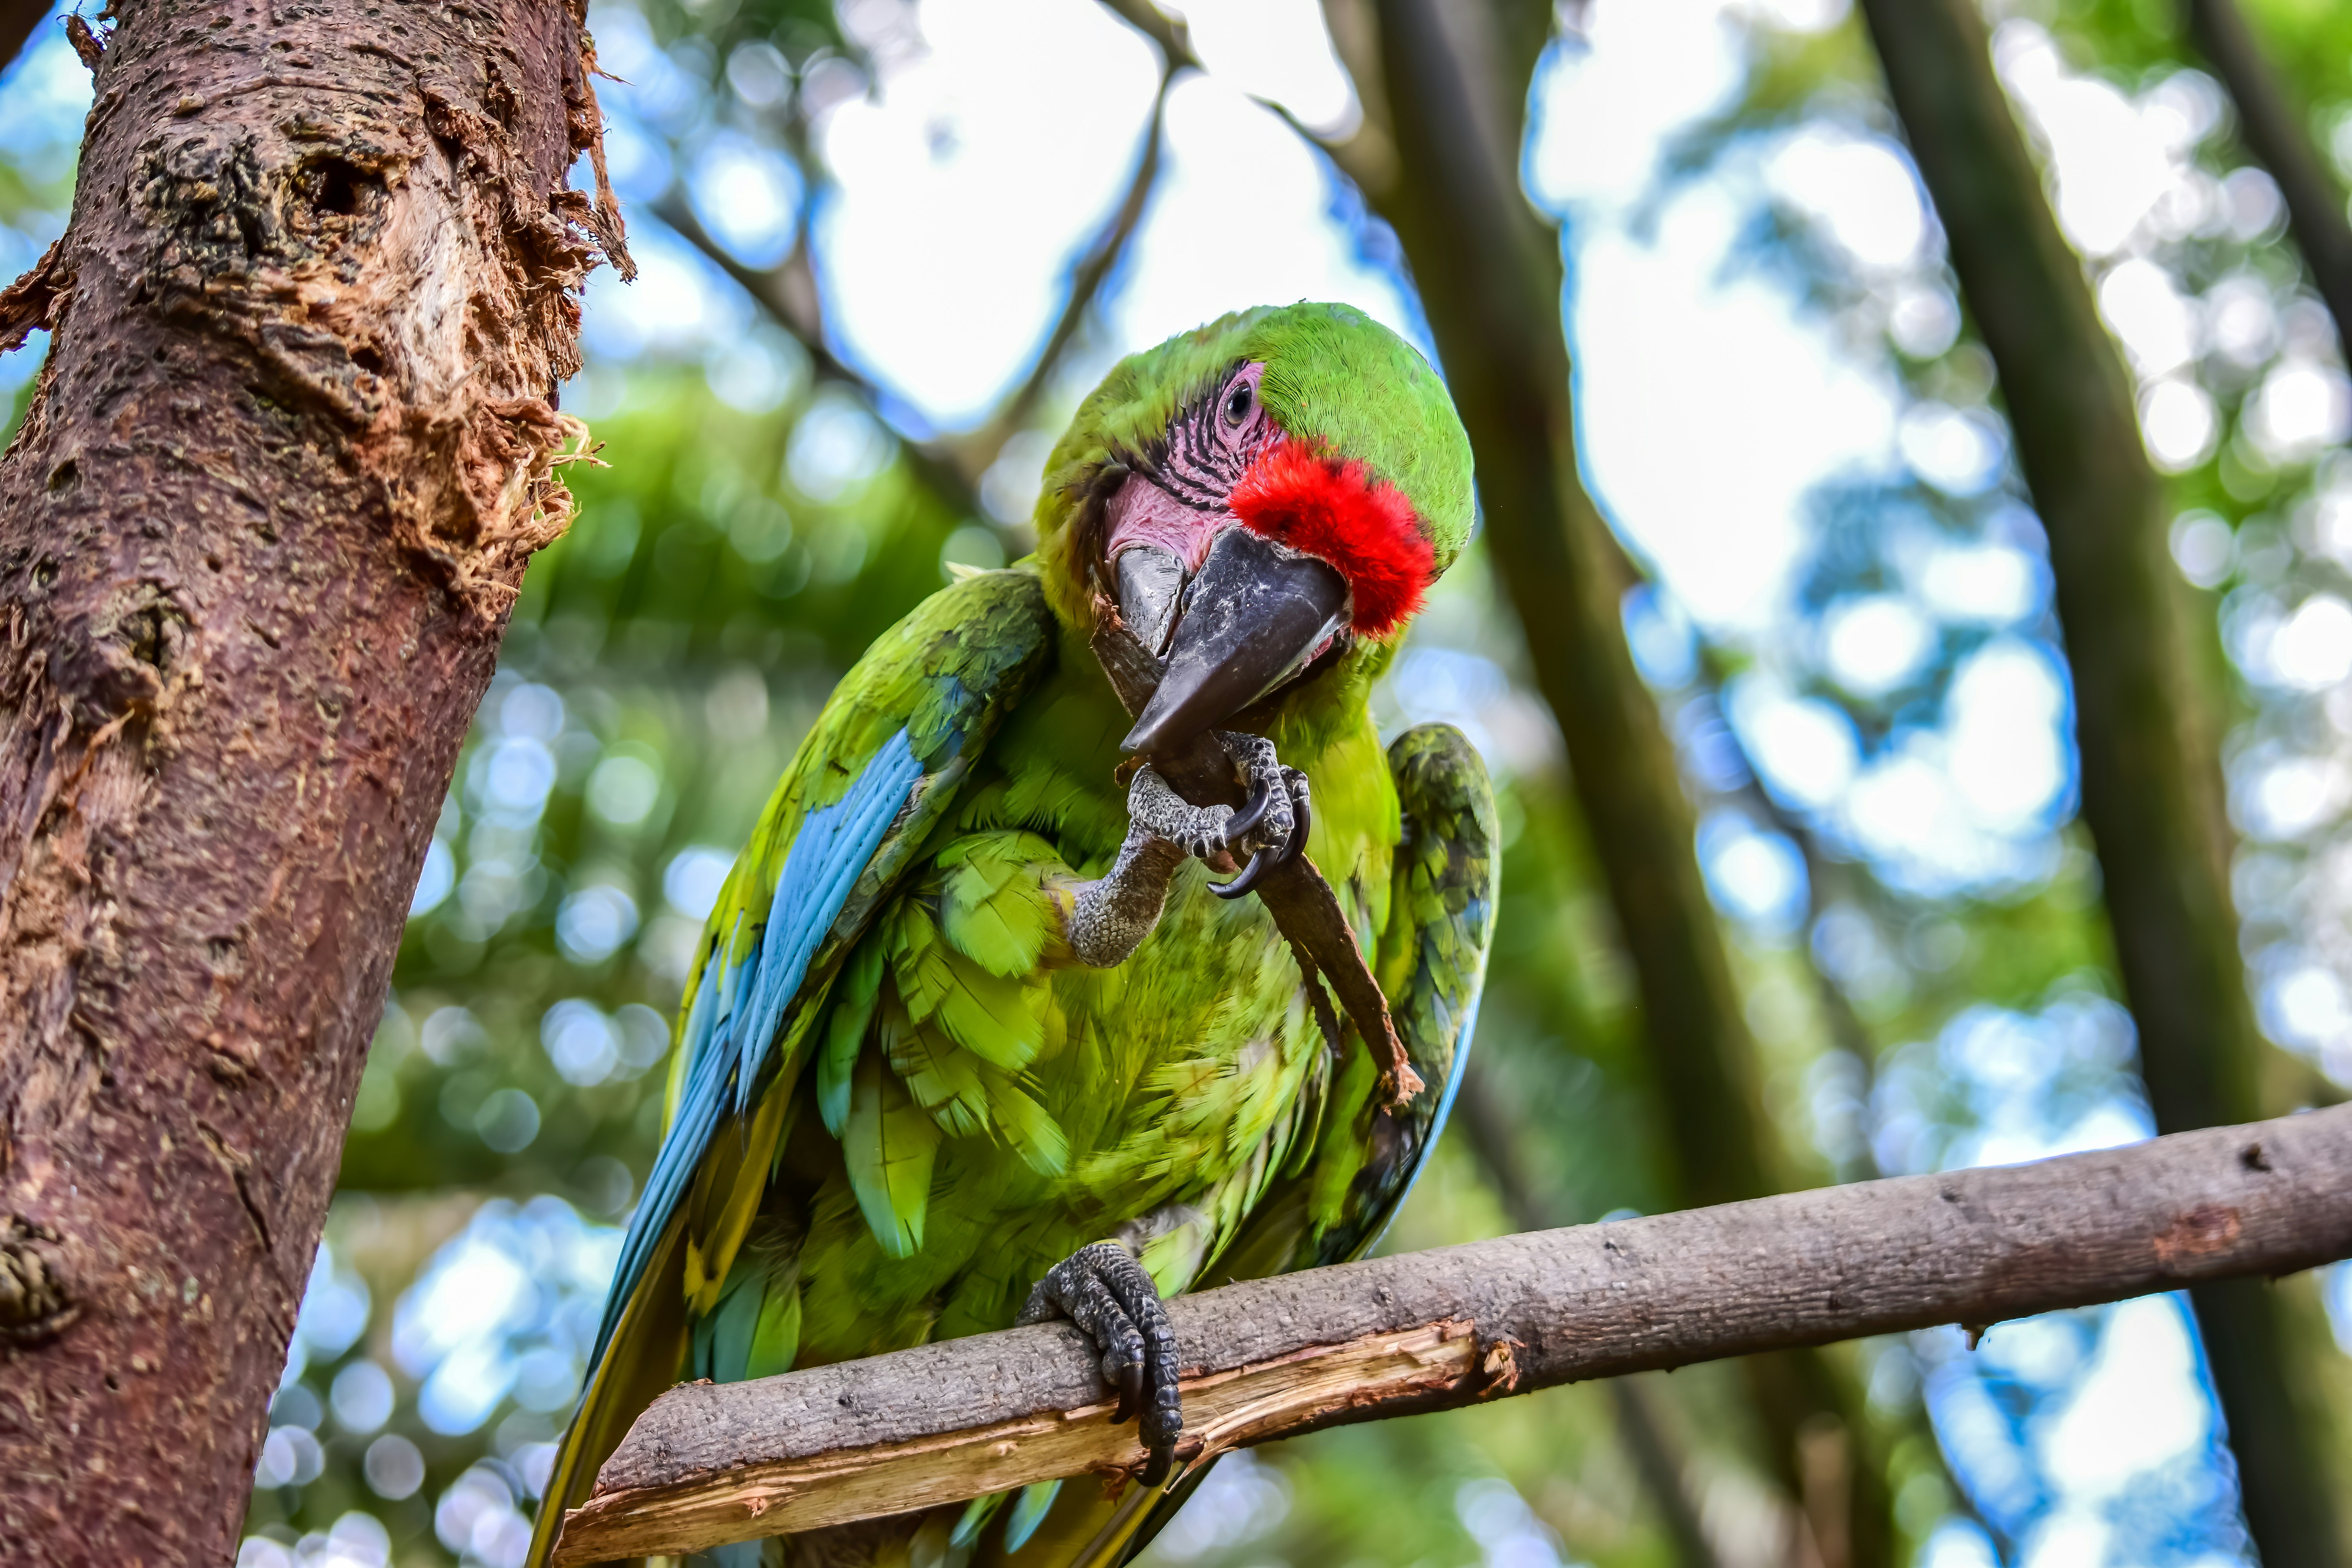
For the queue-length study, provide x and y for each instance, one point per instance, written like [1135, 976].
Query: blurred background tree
[1769, 669]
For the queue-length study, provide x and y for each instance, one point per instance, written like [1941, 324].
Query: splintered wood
[1221, 1410]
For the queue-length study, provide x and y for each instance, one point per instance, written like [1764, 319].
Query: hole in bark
[146, 636]
[2253, 1158]
[64, 477]
[366, 357]
[336, 186]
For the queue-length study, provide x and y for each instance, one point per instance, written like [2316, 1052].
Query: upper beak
[1249, 620]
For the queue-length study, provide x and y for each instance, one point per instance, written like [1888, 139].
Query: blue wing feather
[833, 846]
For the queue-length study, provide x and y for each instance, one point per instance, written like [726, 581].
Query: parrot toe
[1273, 825]
[1106, 1292]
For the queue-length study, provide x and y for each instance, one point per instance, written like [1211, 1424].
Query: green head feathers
[1334, 379]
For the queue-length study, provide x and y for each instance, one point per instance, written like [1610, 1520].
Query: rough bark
[2151, 779]
[2274, 133]
[259, 539]
[1445, 84]
[1418, 1332]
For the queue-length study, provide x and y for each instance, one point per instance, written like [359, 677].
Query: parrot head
[1266, 501]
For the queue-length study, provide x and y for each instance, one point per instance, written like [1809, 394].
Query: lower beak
[1250, 619]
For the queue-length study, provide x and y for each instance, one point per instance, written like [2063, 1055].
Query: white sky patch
[1875, 642]
[1957, 450]
[2178, 424]
[747, 195]
[1216, 241]
[1986, 585]
[970, 185]
[1602, 109]
[1710, 410]
[1279, 51]
[2140, 1407]
[2158, 326]
[1806, 748]
[1859, 189]
[2302, 408]
[678, 304]
[2110, 171]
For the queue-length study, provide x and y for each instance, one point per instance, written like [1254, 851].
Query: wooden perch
[1303, 905]
[1429, 1330]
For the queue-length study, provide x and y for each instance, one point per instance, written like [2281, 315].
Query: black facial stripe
[1192, 461]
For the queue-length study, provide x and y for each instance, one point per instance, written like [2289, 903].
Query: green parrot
[974, 1037]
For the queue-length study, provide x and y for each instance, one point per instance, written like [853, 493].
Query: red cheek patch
[1334, 509]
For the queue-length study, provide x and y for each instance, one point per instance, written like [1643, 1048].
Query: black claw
[1238, 827]
[1302, 823]
[1245, 881]
[1104, 1291]
[1129, 1382]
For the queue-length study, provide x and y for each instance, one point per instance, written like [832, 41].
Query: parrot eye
[1237, 403]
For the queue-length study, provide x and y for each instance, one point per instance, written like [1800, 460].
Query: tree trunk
[2276, 131]
[2151, 780]
[259, 536]
[1445, 82]
[17, 20]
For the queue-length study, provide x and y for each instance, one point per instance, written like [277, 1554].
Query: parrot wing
[882, 765]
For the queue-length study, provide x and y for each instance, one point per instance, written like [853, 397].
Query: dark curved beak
[1248, 622]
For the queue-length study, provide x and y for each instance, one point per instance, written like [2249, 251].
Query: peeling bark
[1426, 1331]
[259, 535]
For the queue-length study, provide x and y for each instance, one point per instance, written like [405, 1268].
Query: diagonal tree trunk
[17, 20]
[2276, 132]
[259, 539]
[1445, 84]
[2151, 782]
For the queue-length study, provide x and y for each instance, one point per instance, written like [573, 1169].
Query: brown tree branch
[2281, 138]
[2152, 794]
[1433, 1331]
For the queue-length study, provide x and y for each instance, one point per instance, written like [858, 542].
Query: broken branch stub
[1294, 891]
[1392, 1336]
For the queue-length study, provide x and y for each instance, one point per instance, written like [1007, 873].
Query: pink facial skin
[1144, 513]
[1181, 507]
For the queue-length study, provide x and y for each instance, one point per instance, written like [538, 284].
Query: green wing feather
[944, 678]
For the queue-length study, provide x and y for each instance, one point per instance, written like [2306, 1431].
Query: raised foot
[1270, 828]
[1104, 1291]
